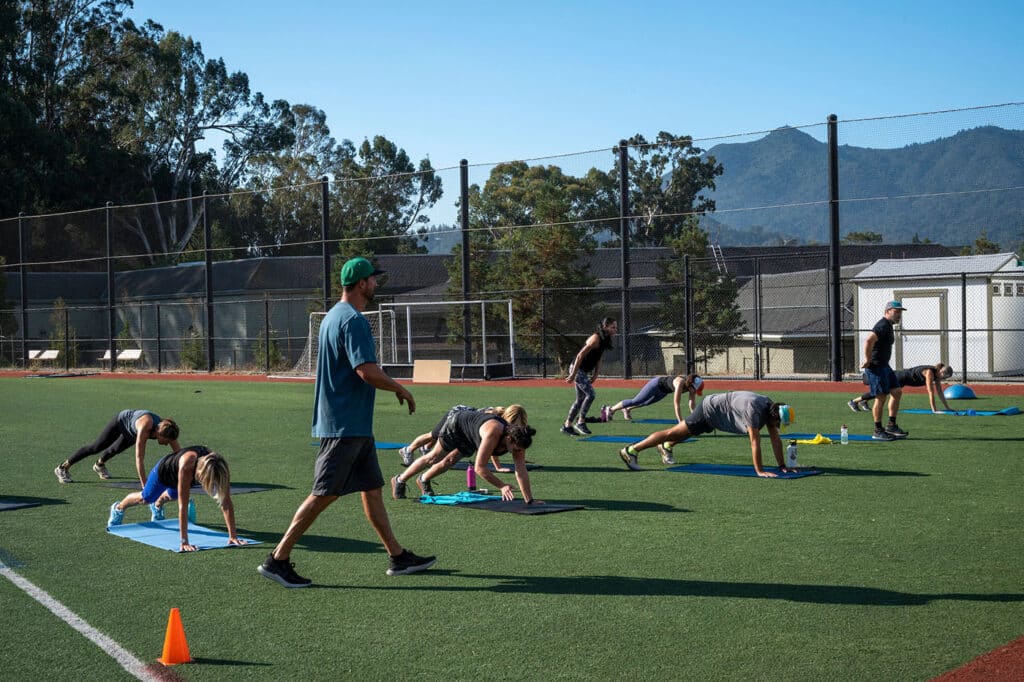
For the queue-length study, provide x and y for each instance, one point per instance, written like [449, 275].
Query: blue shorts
[880, 380]
[155, 488]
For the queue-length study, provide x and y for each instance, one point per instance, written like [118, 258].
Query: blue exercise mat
[463, 464]
[1005, 412]
[458, 498]
[164, 535]
[737, 470]
[654, 421]
[834, 436]
[623, 439]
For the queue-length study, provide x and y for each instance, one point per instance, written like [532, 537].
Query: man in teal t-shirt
[347, 376]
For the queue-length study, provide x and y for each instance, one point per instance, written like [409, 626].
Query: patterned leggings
[584, 398]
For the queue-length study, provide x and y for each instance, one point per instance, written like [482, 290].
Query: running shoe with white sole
[630, 459]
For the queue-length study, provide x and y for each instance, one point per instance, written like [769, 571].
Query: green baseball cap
[356, 269]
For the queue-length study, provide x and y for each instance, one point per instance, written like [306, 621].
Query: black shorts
[697, 422]
[346, 465]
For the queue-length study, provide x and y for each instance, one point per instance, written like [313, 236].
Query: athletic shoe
[666, 455]
[116, 515]
[567, 430]
[156, 513]
[425, 487]
[629, 459]
[407, 562]
[606, 413]
[101, 471]
[282, 571]
[626, 415]
[581, 429]
[863, 405]
[895, 431]
[424, 449]
[882, 434]
[406, 454]
[191, 511]
[853, 405]
[62, 474]
[397, 488]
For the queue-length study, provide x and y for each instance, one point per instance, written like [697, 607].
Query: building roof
[985, 264]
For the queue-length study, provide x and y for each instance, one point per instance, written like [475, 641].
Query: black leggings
[112, 440]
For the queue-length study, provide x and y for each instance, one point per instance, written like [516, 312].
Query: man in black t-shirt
[879, 376]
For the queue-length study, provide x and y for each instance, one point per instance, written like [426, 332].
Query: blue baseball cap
[356, 269]
[894, 305]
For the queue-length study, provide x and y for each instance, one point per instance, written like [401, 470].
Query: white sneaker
[62, 474]
[666, 455]
[116, 515]
[156, 513]
[406, 455]
[630, 460]
[101, 471]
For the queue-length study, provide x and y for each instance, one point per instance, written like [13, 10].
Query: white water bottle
[791, 455]
[844, 435]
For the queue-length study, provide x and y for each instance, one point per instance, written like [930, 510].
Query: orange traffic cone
[175, 646]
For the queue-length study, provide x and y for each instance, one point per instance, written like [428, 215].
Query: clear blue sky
[498, 81]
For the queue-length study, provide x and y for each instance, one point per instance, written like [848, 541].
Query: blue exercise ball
[959, 392]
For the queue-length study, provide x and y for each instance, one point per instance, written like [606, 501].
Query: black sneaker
[853, 406]
[397, 488]
[581, 429]
[882, 434]
[283, 572]
[895, 431]
[425, 487]
[567, 430]
[407, 562]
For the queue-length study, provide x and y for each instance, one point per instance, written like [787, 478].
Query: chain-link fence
[715, 255]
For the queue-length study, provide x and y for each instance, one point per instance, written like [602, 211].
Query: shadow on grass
[316, 543]
[612, 585]
[623, 505]
[9, 502]
[835, 471]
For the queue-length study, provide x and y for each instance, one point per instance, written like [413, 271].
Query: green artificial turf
[902, 561]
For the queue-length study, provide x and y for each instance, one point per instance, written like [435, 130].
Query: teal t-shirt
[343, 406]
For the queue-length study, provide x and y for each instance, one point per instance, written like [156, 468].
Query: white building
[946, 298]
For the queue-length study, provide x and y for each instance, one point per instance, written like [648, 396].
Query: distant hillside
[789, 166]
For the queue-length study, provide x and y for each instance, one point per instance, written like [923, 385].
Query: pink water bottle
[471, 477]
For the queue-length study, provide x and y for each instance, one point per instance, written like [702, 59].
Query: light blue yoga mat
[834, 436]
[737, 470]
[1005, 412]
[164, 535]
[623, 439]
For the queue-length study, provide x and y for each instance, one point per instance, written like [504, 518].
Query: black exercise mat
[463, 464]
[519, 507]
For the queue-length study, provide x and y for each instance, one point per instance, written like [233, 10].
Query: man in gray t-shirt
[740, 412]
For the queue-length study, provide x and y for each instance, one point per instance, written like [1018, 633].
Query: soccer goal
[476, 336]
[382, 323]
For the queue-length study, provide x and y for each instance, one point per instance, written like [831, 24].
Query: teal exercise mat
[1005, 412]
[623, 439]
[381, 445]
[495, 503]
[737, 470]
[165, 535]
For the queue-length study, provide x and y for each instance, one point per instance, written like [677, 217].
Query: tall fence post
[691, 361]
[159, 349]
[963, 324]
[625, 324]
[835, 285]
[111, 314]
[24, 287]
[758, 307]
[325, 234]
[543, 333]
[467, 344]
[266, 331]
[207, 243]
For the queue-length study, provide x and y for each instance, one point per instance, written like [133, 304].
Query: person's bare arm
[144, 429]
[371, 373]
[592, 342]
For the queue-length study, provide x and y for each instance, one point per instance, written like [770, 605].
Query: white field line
[126, 660]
